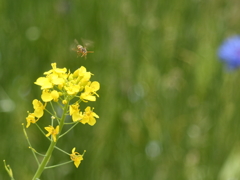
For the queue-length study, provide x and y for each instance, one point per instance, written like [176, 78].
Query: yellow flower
[81, 77]
[90, 91]
[31, 118]
[85, 79]
[44, 82]
[57, 79]
[72, 89]
[53, 132]
[93, 87]
[56, 70]
[55, 95]
[55, 76]
[75, 112]
[80, 72]
[89, 117]
[48, 95]
[76, 157]
[77, 81]
[38, 108]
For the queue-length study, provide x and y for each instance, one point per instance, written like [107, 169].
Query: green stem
[9, 170]
[51, 147]
[69, 129]
[49, 167]
[26, 136]
[62, 150]
[42, 131]
[50, 112]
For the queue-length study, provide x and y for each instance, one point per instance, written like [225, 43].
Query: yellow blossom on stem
[52, 131]
[76, 157]
[90, 91]
[89, 117]
[93, 87]
[72, 89]
[85, 79]
[55, 95]
[44, 82]
[81, 77]
[31, 118]
[57, 79]
[56, 70]
[55, 76]
[38, 108]
[75, 112]
[80, 72]
[48, 95]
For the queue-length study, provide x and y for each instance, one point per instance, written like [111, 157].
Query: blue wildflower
[229, 52]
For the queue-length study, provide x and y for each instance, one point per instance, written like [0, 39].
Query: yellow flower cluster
[67, 90]
[60, 83]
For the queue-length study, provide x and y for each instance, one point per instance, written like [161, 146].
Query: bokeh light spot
[33, 33]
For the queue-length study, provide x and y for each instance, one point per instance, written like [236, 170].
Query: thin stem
[53, 109]
[49, 112]
[26, 136]
[42, 131]
[44, 161]
[36, 151]
[57, 165]
[68, 130]
[69, 123]
[61, 150]
[51, 147]
[60, 105]
[9, 170]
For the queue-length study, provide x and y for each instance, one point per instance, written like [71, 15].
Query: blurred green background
[168, 109]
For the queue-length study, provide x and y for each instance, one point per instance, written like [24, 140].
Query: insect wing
[87, 43]
[73, 46]
[76, 42]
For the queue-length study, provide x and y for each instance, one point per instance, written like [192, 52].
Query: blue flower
[229, 52]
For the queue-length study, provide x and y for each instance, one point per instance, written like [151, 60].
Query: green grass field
[168, 108]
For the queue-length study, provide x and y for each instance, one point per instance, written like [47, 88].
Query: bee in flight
[82, 50]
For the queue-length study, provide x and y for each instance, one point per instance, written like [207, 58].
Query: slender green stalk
[61, 150]
[49, 167]
[55, 114]
[49, 112]
[44, 161]
[34, 150]
[42, 131]
[51, 147]
[9, 170]
[69, 129]
[26, 136]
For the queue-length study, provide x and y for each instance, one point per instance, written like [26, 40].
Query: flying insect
[82, 49]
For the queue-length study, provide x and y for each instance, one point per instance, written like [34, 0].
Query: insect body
[82, 50]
